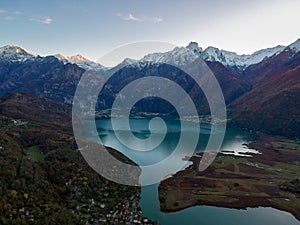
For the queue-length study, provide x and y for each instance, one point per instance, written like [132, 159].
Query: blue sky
[94, 27]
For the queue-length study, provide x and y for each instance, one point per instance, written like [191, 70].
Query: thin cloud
[156, 19]
[9, 18]
[47, 20]
[132, 17]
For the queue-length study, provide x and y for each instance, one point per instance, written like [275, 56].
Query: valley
[44, 177]
[133, 112]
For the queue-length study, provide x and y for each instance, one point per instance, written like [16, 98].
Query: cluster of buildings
[22, 213]
[123, 214]
[19, 122]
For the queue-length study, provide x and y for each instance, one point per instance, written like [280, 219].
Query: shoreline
[238, 183]
[221, 205]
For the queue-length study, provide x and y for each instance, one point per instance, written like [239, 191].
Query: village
[123, 213]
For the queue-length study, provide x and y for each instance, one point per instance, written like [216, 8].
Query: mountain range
[261, 90]
[180, 55]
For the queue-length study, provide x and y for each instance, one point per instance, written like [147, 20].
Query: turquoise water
[234, 140]
[208, 215]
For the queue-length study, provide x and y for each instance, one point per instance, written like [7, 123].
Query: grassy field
[36, 154]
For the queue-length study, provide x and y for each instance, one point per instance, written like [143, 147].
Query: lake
[234, 143]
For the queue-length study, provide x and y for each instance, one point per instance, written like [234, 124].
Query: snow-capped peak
[193, 46]
[72, 59]
[15, 53]
[178, 56]
[228, 58]
[78, 58]
[128, 61]
[183, 55]
[63, 58]
[81, 61]
[295, 46]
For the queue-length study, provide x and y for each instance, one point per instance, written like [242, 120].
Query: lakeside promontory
[268, 179]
